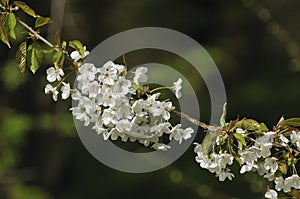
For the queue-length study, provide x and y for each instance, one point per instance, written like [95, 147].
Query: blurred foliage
[254, 43]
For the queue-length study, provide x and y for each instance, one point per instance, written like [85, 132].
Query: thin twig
[38, 36]
[194, 121]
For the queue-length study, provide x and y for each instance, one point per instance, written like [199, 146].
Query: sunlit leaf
[77, 45]
[41, 21]
[34, 57]
[240, 139]
[28, 10]
[263, 127]
[248, 124]
[58, 59]
[21, 56]
[3, 31]
[11, 24]
[292, 123]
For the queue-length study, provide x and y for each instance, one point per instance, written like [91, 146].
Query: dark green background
[41, 155]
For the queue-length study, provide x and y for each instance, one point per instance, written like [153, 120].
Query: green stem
[159, 88]
[61, 81]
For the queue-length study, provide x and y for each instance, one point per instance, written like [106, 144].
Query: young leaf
[292, 122]
[3, 31]
[223, 116]
[240, 139]
[232, 125]
[77, 45]
[248, 124]
[21, 56]
[11, 24]
[58, 59]
[263, 127]
[34, 57]
[41, 21]
[235, 155]
[210, 139]
[28, 10]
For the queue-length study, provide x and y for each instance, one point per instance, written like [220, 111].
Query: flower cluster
[272, 154]
[117, 107]
[56, 74]
[215, 163]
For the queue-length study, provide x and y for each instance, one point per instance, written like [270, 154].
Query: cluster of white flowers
[117, 107]
[55, 74]
[256, 157]
[112, 104]
[215, 163]
[109, 101]
[251, 157]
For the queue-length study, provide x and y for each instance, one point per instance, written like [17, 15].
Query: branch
[194, 121]
[36, 34]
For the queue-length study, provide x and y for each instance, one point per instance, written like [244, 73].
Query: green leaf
[240, 139]
[34, 57]
[210, 140]
[77, 45]
[3, 31]
[58, 59]
[231, 126]
[11, 24]
[290, 123]
[21, 56]
[49, 50]
[235, 155]
[248, 124]
[263, 127]
[28, 10]
[41, 21]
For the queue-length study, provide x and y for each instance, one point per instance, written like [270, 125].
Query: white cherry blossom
[271, 194]
[140, 75]
[75, 55]
[50, 90]
[54, 73]
[66, 90]
[177, 88]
